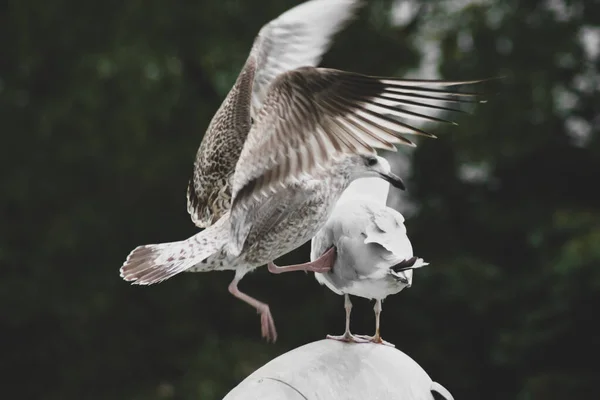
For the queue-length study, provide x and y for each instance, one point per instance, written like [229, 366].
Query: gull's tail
[155, 263]
[403, 271]
[410, 263]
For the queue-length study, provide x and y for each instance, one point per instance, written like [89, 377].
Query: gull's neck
[374, 188]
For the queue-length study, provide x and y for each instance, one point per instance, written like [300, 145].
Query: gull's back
[370, 238]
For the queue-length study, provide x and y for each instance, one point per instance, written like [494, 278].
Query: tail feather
[155, 263]
[403, 271]
[410, 263]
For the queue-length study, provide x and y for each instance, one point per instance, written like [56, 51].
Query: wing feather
[299, 37]
[314, 115]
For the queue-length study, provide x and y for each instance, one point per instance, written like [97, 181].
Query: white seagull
[374, 255]
[283, 146]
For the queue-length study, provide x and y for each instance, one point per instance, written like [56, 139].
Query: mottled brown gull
[297, 38]
[313, 132]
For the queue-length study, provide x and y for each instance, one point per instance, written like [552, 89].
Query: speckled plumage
[281, 223]
[297, 38]
[291, 217]
[209, 190]
[282, 147]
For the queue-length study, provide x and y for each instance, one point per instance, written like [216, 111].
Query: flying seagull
[287, 140]
[374, 255]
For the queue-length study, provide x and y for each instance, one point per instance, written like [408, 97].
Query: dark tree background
[102, 108]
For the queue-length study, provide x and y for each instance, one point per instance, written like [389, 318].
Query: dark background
[102, 108]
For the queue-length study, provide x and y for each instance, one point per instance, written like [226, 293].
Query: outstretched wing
[296, 38]
[313, 115]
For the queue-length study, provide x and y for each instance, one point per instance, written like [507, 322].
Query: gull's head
[373, 166]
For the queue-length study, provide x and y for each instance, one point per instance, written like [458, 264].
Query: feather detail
[311, 116]
[298, 37]
[155, 263]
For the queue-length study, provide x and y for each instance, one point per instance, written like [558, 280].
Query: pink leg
[267, 324]
[322, 264]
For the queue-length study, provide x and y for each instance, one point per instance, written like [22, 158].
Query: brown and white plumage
[297, 38]
[154, 263]
[312, 116]
[264, 187]
[331, 113]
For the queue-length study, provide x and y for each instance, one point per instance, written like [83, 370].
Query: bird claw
[376, 339]
[321, 269]
[323, 264]
[267, 324]
[348, 338]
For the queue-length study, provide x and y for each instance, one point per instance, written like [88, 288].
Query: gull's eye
[371, 161]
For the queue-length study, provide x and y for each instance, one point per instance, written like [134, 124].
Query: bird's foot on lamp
[375, 339]
[321, 265]
[348, 338]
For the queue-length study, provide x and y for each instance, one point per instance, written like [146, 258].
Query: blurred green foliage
[102, 108]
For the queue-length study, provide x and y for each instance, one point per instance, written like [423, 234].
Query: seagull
[286, 142]
[374, 255]
[297, 38]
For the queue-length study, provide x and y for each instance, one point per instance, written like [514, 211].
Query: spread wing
[297, 38]
[314, 115]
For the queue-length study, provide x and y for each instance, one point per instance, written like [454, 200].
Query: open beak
[394, 180]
